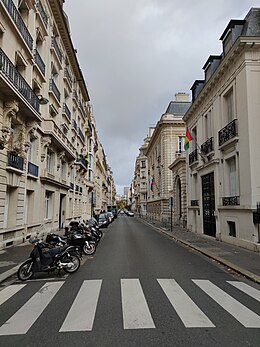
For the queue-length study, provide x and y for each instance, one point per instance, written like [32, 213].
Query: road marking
[253, 292]
[82, 312]
[136, 314]
[9, 291]
[24, 318]
[188, 311]
[240, 312]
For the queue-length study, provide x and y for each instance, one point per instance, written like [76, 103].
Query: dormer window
[231, 33]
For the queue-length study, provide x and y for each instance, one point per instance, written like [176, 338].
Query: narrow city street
[139, 289]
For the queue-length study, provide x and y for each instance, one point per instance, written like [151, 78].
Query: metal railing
[74, 125]
[33, 169]
[231, 200]
[39, 62]
[15, 161]
[54, 44]
[208, 146]
[81, 160]
[194, 202]
[193, 157]
[75, 95]
[18, 20]
[68, 76]
[17, 80]
[71, 186]
[228, 132]
[42, 13]
[54, 89]
[66, 110]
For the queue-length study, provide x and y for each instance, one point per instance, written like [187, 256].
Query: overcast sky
[135, 55]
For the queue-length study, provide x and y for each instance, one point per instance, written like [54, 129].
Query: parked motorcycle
[58, 258]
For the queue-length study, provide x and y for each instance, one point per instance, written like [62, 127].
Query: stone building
[223, 162]
[46, 125]
[167, 140]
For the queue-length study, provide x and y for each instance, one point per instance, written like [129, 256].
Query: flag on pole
[188, 138]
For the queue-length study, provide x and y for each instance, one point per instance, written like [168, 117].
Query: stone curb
[238, 269]
[5, 275]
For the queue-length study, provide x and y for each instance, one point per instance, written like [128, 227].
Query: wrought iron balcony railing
[68, 76]
[33, 169]
[228, 132]
[17, 80]
[81, 108]
[42, 13]
[39, 62]
[193, 157]
[54, 89]
[15, 161]
[18, 20]
[54, 44]
[66, 110]
[81, 135]
[208, 146]
[194, 202]
[71, 186]
[231, 200]
[75, 95]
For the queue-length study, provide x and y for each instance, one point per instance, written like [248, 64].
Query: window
[208, 131]
[229, 106]
[232, 228]
[32, 153]
[143, 164]
[194, 137]
[63, 170]
[231, 163]
[50, 162]
[48, 204]
[181, 140]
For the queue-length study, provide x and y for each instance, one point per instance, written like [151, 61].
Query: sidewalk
[236, 258]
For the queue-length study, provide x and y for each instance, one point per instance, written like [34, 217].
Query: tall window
[48, 204]
[194, 137]
[50, 162]
[63, 170]
[229, 106]
[208, 131]
[231, 163]
[181, 140]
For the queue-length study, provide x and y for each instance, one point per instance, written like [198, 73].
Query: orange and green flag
[188, 138]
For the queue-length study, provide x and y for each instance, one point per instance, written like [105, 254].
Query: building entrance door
[208, 200]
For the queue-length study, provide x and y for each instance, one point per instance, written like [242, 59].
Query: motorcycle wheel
[89, 250]
[76, 264]
[25, 271]
[100, 232]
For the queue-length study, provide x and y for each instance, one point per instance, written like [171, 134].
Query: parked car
[130, 213]
[103, 220]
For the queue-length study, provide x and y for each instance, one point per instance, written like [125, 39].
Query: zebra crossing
[135, 310]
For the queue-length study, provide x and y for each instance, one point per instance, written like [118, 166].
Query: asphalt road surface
[139, 289]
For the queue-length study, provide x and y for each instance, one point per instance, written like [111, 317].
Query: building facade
[167, 140]
[46, 122]
[223, 161]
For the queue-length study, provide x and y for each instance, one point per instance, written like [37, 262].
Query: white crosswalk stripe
[136, 313]
[24, 318]
[253, 292]
[245, 316]
[188, 311]
[82, 313]
[9, 291]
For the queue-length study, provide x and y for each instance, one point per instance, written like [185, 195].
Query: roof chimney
[182, 97]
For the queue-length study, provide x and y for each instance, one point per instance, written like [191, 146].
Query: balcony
[42, 13]
[39, 62]
[74, 125]
[193, 157]
[54, 89]
[81, 160]
[56, 48]
[228, 133]
[81, 108]
[208, 146]
[18, 20]
[66, 111]
[33, 169]
[15, 161]
[231, 201]
[75, 95]
[71, 186]
[81, 135]
[16, 79]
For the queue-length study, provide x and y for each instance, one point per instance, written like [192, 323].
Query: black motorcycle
[60, 258]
